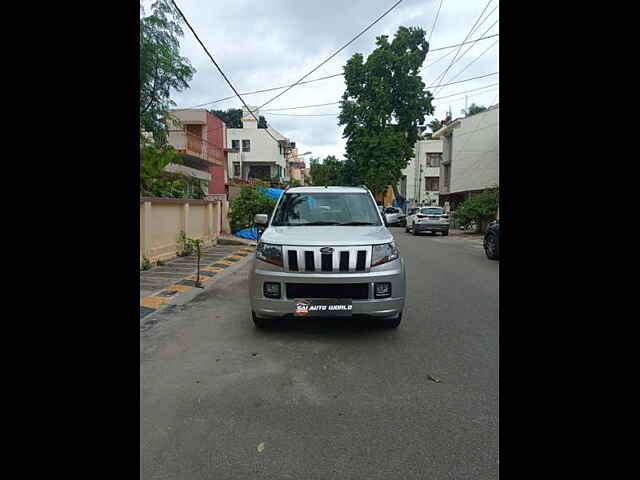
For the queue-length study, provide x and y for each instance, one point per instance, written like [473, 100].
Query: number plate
[323, 307]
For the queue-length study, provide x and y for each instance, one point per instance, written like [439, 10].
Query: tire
[490, 247]
[413, 229]
[261, 323]
[406, 227]
[445, 233]
[391, 322]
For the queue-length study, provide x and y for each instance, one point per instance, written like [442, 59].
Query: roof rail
[364, 186]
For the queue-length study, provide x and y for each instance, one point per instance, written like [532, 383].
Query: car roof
[332, 189]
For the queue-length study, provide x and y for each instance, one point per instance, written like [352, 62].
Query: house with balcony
[420, 181]
[253, 154]
[200, 137]
[471, 156]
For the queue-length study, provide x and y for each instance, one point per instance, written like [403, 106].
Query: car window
[298, 209]
[432, 211]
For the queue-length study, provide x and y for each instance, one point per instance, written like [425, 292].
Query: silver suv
[326, 252]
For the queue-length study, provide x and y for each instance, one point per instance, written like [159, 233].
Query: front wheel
[445, 233]
[413, 229]
[391, 322]
[261, 323]
[490, 247]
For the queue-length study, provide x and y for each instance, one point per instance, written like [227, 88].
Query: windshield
[299, 209]
[432, 211]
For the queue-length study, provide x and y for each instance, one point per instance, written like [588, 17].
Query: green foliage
[478, 209]
[294, 183]
[334, 172]
[473, 109]
[232, 118]
[162, 69]
[146, 264]
[195, 245]
[155, 182]
[187, 246]
[159, 263]
[384, 102]
[245, 206]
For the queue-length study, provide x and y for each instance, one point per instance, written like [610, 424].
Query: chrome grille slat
[335, 258]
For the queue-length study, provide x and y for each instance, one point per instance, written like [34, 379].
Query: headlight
[384, 253]
[269, 253]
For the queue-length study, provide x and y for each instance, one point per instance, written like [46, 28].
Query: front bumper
[431, 227]
[392, 272]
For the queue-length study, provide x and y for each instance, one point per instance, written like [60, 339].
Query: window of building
[236, 169]
[434, 159]
[246, 145]
[432, 184]
[235, 144]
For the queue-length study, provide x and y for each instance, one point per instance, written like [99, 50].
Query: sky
[261, 44]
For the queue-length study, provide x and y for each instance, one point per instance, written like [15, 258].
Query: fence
[162, 220]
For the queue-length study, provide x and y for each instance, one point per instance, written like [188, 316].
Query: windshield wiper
[357, 223]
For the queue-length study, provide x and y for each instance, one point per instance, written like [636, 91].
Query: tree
[473, 109]
[162, 69]
[384, 102]
[329, 172]
[232, 118]
[479, 209]
[246, 205]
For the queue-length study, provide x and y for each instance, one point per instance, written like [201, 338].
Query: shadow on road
[327, 327]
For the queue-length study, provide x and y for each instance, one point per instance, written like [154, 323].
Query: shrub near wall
[479, 209]
[246, 205]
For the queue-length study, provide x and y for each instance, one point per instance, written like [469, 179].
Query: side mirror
[261, 219]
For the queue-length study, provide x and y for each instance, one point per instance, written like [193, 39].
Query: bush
[249, 203]
[478, 209]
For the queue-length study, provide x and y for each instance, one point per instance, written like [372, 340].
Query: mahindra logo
[326, 250]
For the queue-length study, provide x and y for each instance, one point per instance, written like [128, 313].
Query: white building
[257, 155]
[470, 160]
[420, 182]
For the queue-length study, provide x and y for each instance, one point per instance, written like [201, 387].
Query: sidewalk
[162, 285]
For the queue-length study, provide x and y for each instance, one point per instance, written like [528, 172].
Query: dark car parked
[492, 241]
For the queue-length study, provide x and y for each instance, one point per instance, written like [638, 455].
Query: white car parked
[428, 219]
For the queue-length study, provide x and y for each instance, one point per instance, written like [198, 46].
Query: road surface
[328, 400]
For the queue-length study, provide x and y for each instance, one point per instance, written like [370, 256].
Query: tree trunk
[399, 197]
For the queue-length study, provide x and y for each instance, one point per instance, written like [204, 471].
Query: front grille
[342, 259]
[356, 291]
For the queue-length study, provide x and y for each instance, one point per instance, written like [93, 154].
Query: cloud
[261, 44]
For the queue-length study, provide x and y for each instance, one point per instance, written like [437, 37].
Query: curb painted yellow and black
[150, 304]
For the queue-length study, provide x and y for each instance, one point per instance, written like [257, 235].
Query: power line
[336, 74]
[334, 54]
[470, 47]
[473, 61]
[335, 103]
[218, 67]
[433, 27]
[441, 77]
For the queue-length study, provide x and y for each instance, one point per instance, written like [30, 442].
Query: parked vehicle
[394, 216]
[326, 252]
[428, 219]
[492, 241]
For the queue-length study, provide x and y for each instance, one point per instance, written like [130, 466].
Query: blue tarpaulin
[248, 233]
[272, 192]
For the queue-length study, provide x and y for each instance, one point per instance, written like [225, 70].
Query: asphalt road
[328, 400]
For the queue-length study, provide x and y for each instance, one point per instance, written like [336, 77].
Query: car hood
[327, 235]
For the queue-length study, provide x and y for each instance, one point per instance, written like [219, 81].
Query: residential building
[254, 153]
[420, 181]
[199, 138]
[470, 160]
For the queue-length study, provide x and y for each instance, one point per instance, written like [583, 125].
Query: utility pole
[466, 111]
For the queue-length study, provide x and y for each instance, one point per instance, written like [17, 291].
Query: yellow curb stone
[235, 257]
[213, 269]
[179, 288]
[153, 302]
[203, 278]
[225, 262]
